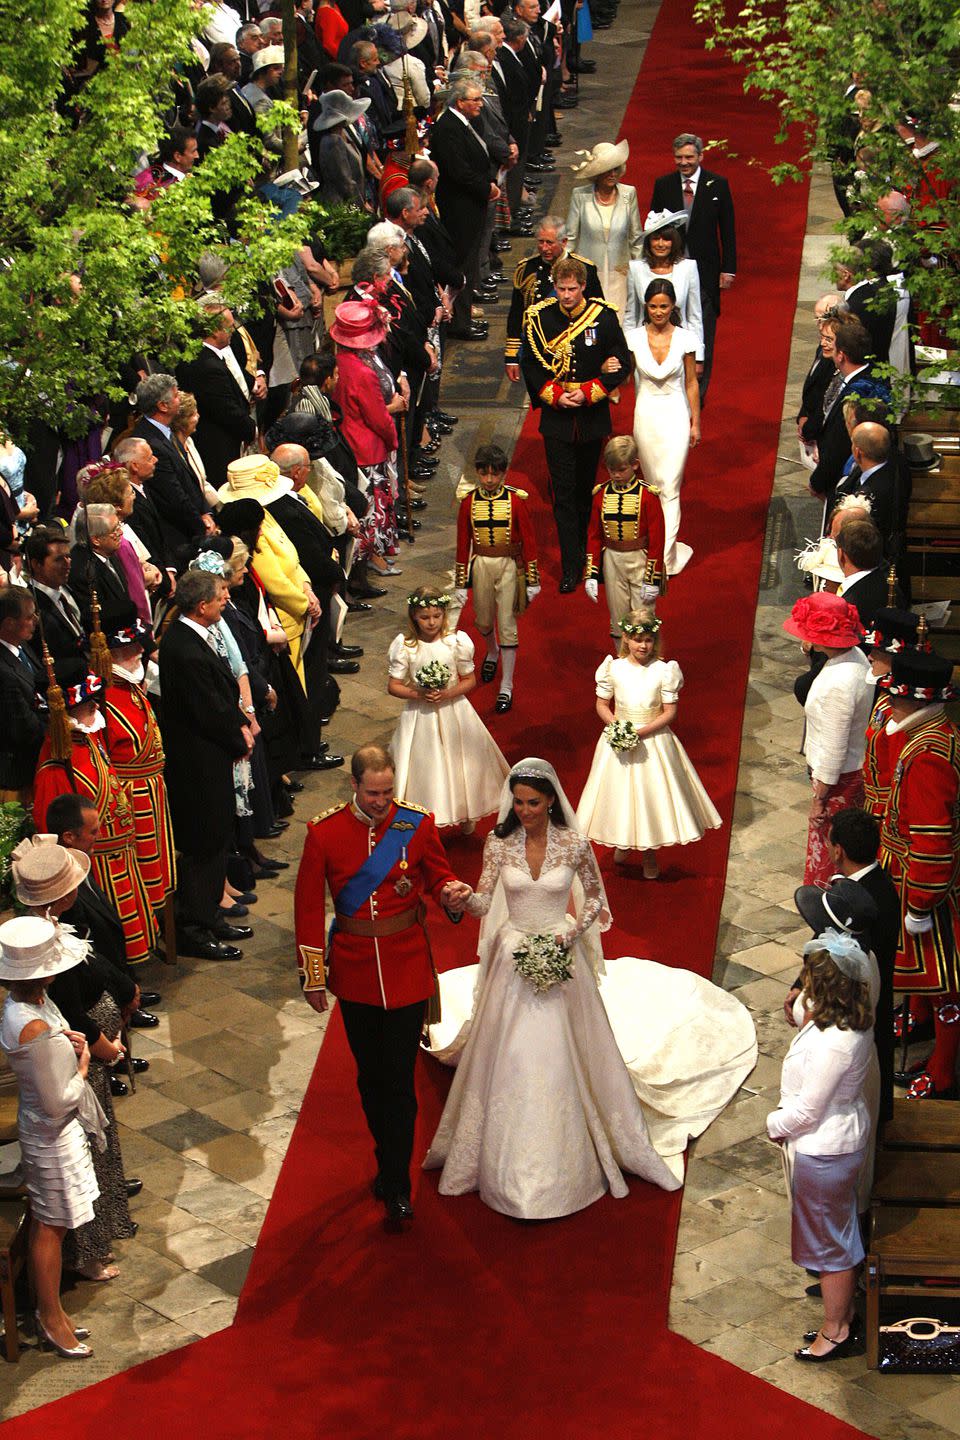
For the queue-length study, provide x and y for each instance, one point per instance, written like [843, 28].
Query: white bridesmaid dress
[446, 759]
[685, 279]
[661, 429]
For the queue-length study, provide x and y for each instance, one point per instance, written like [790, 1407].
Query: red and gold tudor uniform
[391, 968]
[88, 772]
[625, 539]
[136, 750]
[892, 631]
[495, 548]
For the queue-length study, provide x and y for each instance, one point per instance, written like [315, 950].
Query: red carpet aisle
[474, 1324]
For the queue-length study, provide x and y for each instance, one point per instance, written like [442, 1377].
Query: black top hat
[919, 675]
[844, 905]
[892, 631]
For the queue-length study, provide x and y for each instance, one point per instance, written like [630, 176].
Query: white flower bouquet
[435, 676]
[542, 962]
[621, 735]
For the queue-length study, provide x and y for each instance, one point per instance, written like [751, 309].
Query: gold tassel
[923, 640]
[101, 663]
[892, 588]
[58, 725]
[411, 141]
[432, 1016]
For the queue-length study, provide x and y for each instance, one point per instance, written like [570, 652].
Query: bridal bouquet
[435, 676]
[541, 961]
[621, 735]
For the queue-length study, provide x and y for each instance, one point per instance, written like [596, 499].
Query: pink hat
[358, 325]
[825, 620]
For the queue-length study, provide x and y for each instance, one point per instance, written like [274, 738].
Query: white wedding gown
[661, 429]
[544, 1114]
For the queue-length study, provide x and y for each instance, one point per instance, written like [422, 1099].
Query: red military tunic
[495, 524]
[626, 518]
[920, 848]
[133, 739]
[114, 858]
[388, 971]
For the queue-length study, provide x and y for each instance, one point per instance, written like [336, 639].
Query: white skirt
[646, 797]
[447, 761]
[59, 1176]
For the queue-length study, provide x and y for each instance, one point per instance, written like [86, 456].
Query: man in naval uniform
[533, 282]
[380, 858]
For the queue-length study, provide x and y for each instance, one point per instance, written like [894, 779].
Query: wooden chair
[929, 1125]
[14, 1238]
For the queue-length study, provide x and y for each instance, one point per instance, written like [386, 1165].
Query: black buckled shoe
[488, 669]
[504, 702]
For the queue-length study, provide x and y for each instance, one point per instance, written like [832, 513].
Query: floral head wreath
[642, 627]
[846, 954]
[211, 561]
[420, 599]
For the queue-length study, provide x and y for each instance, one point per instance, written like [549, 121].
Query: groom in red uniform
[380, 857]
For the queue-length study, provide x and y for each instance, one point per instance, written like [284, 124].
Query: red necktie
[687, 196]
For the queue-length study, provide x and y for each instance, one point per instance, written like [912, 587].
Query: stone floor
[208, 1127]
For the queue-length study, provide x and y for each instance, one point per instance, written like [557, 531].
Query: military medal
[404, 885]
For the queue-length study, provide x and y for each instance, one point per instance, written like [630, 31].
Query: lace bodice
[539, 905]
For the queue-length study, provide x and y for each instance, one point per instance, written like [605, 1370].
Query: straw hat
[269, 55]
[336, 108]
[254, 476]
[600, 159]
[44, 871]
[357, 325]
[826, 621]
[412, 27]
[30, 950]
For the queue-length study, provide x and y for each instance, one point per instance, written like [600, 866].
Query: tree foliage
[902, 58]
[64, 211]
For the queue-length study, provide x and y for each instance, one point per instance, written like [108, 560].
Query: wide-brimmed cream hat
[658, 220]
[254, 477]
[600, 159]
[413, 28]
[30, 949]
[44, 871]
[269, 55]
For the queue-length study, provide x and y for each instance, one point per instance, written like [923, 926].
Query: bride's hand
[610, 366]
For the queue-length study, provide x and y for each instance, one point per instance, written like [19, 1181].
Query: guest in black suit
[464, 190]
[222, 393]
[517, 88]
[869, 296]
[23, 708]
[818, 377]
[225, 60]
[47, 556]
[93, 564]
[711, 231]
[144, 519]
[854, 377]
[860, 554]
[172, 487]
[204, 731]
[876, 477]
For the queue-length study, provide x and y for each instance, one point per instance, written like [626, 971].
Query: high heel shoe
[840, 1348]
[78, 1352]
[855, 1328]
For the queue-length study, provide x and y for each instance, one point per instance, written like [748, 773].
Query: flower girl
[446, 759]
[642, 791]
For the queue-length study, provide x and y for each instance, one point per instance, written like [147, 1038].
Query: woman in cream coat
[603, 223]
[824, 1122]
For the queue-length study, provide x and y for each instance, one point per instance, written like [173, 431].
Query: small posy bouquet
[543, 962]
[621, 735]
[435, 676]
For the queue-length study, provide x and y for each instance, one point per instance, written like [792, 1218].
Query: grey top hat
[336, 108]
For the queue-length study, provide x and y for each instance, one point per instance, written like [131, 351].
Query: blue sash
[380, 861]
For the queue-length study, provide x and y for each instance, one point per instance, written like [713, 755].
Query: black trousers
[709, 310]
[384, 1044]
[573, 472]
[200, 889]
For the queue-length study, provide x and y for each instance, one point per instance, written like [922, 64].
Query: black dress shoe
[425, 461]
[522, 232]
[420, 472]
[321, 762]
[118, 1086]
[343, 667]
[357, 607]
[582, 67]
[274, 833]
[209, 950]
[346, 652]
[406, 527]
[150, 997]
[500, 245]
[431, 448]
[553, 141]
[143, 1020]
[445, 418]
[418, 505]
[224, 931]
[133, 1187]
[368, 592]
[399, 1215]
[504, 702]
[568, 584]
[137, 1065]
[488, 669]
[294, 787]
[570, 102]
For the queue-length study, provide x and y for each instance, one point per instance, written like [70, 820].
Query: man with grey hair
[94, 564]
[177, 498]
[222, 391]
[249, 39]
[144, 520]
[711, 231]
[533, 282]
[464, 191]
[504, 155]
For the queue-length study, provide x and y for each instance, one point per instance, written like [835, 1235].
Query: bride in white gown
[544, 1116]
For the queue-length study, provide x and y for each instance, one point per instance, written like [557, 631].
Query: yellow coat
[278, 565]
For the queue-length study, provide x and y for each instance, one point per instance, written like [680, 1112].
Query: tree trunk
[291, 153]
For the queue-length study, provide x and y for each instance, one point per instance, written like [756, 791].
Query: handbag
[920, 1346]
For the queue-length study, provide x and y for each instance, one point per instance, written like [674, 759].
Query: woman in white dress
[544, 1115]
[666, 420]
[647, 795]
[663, 258]
[603, 222]
[446, 759]
[57, 1109]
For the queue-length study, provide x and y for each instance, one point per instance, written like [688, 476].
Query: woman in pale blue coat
[604, 219]
[663, 258]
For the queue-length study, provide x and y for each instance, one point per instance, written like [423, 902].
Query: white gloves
[649, 594]
[917, 924]
[592, 590]
[460, 598]
[533, 591]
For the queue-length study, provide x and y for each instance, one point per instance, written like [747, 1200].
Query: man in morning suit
[222, 392]
[380, 858]
[23, 709]
[711, 232]
[47, 554]
[533, 282]
[865, 577]
[464, 191]
[172, 487]
[574, 354]
[854, 377]
[875, 478]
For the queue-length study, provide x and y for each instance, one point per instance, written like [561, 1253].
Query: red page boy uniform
[625, 541]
